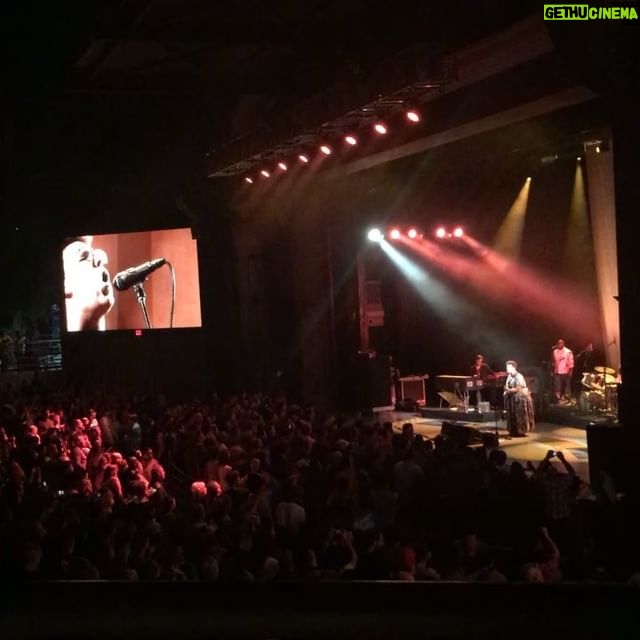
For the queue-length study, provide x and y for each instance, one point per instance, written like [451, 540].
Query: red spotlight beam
[545, 296]
[513, 286]
[462, 268]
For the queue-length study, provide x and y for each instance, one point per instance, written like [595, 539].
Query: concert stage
[460, 415]
[565, 415]
[533, 448]
[572, 415]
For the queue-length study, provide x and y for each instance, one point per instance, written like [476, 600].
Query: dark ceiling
[238, 60]
[225, 48]
[111, 105]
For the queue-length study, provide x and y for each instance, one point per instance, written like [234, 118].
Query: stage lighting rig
[443, 233]
[395, 91]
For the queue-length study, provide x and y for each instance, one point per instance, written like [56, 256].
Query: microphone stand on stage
[495, 410]
[135, 276]
[507, 437]
[142, 299]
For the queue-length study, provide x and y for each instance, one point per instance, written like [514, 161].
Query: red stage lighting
[326, 149]
[381, 128]
[458, 232]
[395, 234]
[352, 140]
[413, 115]
[283, 165]
[412, 233]
[248, 179]
[441, 232]
[304, 158]
[265, 173]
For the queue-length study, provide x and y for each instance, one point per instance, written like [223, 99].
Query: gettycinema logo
[627, 12]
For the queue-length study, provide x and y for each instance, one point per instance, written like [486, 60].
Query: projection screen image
[126, 281]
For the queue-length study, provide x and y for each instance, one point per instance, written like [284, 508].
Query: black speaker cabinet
[460, 433]
[490, 439]
[373, 382]
[606, 453]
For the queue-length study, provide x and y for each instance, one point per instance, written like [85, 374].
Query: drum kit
[600, 391]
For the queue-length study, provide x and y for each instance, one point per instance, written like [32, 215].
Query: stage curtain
[600, 185]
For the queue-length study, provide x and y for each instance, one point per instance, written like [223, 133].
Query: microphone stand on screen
[141, 296]
[134, 277]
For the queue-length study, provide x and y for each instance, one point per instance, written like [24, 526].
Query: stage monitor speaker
[490, 439]
[449, 397]
[607, 450]
[460, 433]
[373, 382]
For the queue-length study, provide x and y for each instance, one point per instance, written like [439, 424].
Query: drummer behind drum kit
[600, 391]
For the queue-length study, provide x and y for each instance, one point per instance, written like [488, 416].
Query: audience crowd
[106, 485]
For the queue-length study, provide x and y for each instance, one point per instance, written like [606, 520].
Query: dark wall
[174, 363]
[176, 359]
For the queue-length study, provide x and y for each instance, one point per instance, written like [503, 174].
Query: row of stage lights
[442, 233]
[350, 140]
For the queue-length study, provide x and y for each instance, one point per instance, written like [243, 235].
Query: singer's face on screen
[87, 286]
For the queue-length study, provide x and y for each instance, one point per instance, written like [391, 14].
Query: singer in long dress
[517, 402]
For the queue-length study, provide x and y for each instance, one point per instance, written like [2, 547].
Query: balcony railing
[43, 354]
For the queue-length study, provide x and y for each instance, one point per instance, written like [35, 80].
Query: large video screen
[139, 280]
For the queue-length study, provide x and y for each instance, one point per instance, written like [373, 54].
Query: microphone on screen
[135, 275]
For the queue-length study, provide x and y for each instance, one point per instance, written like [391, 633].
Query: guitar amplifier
[413, 388]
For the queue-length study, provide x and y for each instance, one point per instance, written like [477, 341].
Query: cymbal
[602, 369]
[609, 379]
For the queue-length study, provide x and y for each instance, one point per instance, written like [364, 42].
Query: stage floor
[571, 441]
[571, 415]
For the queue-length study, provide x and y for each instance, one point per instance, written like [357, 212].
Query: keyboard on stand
[459, 387]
